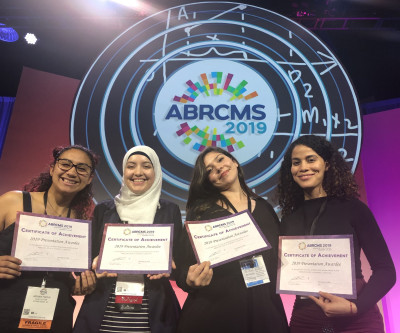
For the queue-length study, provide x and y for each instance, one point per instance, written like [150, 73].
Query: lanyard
[233, 207]
[45, 204]
[315, 220]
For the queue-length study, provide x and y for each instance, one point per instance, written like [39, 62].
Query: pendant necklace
[45, 197]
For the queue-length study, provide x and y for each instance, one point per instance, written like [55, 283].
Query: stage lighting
[30, 38]
[8, 34]
[135, 4]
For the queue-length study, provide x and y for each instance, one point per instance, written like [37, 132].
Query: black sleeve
[286, 227]
[184, 260]
[97, 228]
[273, 213]
[374, 246]
[169, 213]
[177, 220]
[186, 256]
[282, 227]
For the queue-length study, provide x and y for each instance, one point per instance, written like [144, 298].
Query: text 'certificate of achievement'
[50, 243]
[136, 248]
[226, 239]
[309, 264]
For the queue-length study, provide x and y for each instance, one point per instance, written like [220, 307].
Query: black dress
[226, 305]
[342, 217]
[13, 292]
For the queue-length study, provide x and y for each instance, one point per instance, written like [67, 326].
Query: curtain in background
[6, 106]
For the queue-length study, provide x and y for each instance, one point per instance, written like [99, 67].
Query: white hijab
[140, 208]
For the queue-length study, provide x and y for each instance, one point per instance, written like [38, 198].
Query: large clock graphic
[221, 74]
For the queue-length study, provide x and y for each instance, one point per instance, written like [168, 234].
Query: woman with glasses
[64, 191]
[318, 196]
[218, 299]
[137, 203]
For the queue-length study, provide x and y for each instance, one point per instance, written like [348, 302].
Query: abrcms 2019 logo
[221, 107]
[219, 112]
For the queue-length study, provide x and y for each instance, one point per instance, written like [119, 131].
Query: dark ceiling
[73, 32]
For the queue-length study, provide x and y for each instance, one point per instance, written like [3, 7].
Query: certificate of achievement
[136, 248]
[226, 239]
[309, 264]
[50, 243]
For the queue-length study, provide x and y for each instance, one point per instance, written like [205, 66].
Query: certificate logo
[127, 231]
[59, 226]
[208, 227]
[302, 246]
[43, 291]
[43, 223]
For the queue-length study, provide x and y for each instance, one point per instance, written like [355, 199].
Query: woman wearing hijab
[137, 203]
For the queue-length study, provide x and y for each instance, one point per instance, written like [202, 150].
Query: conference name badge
[129, 291]
[39, 306]
[254, 271]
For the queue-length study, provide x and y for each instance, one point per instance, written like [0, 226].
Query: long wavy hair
[82, 203]
[338, 180]
[202, 194]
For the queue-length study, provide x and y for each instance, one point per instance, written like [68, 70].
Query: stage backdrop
[219, 74]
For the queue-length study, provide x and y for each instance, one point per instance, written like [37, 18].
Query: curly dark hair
[82, 203]
[202, 194]
[338, 180]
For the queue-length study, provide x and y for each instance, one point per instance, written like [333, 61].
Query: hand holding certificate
[136, 248]
[48, 243]
[309, 264]
[226, 239]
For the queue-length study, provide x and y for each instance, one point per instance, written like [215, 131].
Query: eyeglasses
[81, 168]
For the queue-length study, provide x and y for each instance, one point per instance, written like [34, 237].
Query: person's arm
[190, 275]
[178, 227]
[199, 275]
[335, 306]
[10, 203]
[10, 267]
[176, 219]
[97, 233]
[383, 272]
[272, 213]
[97, 228]
[375, 248]
[85, 282]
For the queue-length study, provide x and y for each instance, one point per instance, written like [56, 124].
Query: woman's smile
[139, 174]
